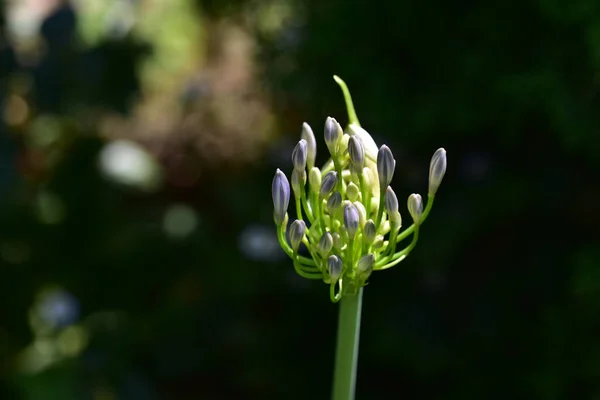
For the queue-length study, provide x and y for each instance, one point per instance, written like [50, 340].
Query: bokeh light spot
[128, 163]
[180, 220]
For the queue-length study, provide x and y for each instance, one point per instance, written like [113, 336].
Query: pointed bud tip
[351, 219]
[437, 170]
[296, 234]
[311, 144]
[334, 266]
[415, 207]
[385, 166]
[280, 191]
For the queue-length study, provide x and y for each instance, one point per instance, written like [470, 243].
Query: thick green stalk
[346, 352]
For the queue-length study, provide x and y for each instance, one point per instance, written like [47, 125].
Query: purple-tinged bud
[311, 145]
[334, 266]
[369, 231]
[299, 155]
[296, 233]
[334, 202]
[330, 180]
[356, 153]
[391, 201]
[280, 191]
[415, 207]
[365, 264]
[333, 134]
[391, 205]
[325, 244]
[437, 170]
[351, 220]
[385, 166]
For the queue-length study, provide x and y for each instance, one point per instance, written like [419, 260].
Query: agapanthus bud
[362, 213]
[334, 202]
[367, 141]
[297, 230]
[385, 166]
[280, 191]
[356, 153]
[369, 231]
[415, 207]
[352, 192]
[333, 134]
[299, 155]
[351, 219]
[391, 201]
[311, 145]
[334, 266]
[365, 263]
[314, 178]
[325, 244]
[338, 243]
[437, 169]
[298, 182]
[378, 242]
[329, 182]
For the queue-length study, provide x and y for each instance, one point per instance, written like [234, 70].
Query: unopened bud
[352, 192]
[334, 202]
[311, 145]
[299, 155]
[280, 191]
[334, 266]
[385, 166]
[362, 213]
[391, 201]
[314, 179]
[333, 134]
[369, 231]
[437, 169]
[356, 153]
[329, 182]
[378, 242]
[297, 230]
[415, 207]
[365, 264]
[351, 220]
[325, 244]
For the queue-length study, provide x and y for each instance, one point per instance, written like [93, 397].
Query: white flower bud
[437, 170]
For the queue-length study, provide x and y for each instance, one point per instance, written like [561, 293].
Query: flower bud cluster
[347, 215]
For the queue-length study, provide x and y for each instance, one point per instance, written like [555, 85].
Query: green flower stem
[332, 295]
[346, 353]
[411, 228]
[380, 209]
[304, 274]
[338, 170]
[299, 208]
[364, 194]
[399, 256]
[307, 209]
[352, 117]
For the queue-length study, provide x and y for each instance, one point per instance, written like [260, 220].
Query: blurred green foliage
[500, 298]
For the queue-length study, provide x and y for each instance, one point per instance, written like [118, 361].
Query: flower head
[347, 213]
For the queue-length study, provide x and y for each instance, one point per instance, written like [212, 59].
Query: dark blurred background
[138, 141]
